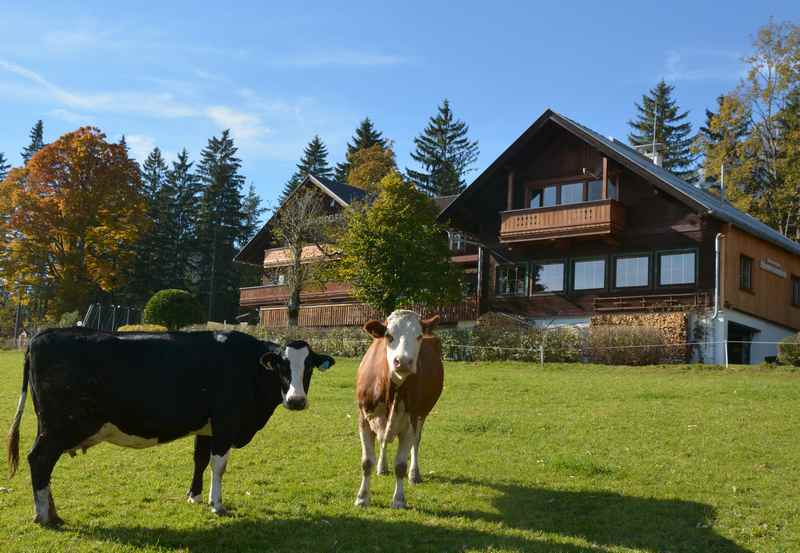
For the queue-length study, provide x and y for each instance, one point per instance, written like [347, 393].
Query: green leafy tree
[220, 226]
[659, 114]
[5, 166]
[37, 141]
[314, 161]
[445, 154]
[366, 136]
[394, 253]
[173, 309]
[369, 165]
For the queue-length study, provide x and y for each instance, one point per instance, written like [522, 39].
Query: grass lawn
[567, 458]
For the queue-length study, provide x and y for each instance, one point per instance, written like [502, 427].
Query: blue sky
[173, 74]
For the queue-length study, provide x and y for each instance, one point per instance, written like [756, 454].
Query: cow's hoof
[219, 511]
[52, 522]
[415, 477]
[194, 499]
[362, 501]
[399, 503]
[382, 469]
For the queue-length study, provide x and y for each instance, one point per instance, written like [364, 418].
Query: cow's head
[403, 331]
[293, 366]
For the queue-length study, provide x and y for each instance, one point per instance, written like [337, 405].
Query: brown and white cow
[399, 381]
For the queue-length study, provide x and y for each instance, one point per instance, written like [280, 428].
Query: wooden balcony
[275, 295]
[604, 217]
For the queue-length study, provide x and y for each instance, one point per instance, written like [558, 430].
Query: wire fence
[110, 317]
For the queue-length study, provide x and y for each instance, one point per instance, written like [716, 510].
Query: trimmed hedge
[142, 328]
[173, 309]
[789, 350]
[627, 345]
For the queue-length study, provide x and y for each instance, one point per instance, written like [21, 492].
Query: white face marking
[403, 340]
[297, 364]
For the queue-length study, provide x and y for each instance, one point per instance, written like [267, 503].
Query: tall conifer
[365, 136]
[4, 166]
[314, 161]
[37, 141]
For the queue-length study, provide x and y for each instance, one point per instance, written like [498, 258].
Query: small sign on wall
[772, 266]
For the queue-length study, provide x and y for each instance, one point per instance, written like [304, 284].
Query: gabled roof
[693, 196]
[343, 194]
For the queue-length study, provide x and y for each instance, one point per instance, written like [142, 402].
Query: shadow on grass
[602, 519]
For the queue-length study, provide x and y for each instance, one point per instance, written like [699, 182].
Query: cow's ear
[270, 360]
[428, 324]
[376, 329]
[323, 362]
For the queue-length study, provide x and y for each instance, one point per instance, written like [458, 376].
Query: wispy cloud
[245, 126]
[340, 57]
[689, 64]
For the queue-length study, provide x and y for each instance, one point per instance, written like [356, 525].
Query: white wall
[717, 331]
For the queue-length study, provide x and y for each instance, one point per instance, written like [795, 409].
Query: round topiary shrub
[789, 350]
[173, 309]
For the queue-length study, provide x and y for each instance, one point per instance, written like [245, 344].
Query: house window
[512, 280]
[456, 242]
[589, 274]
[594, 190]
[274, 277]
[572, 193]
[632, 272]
[549, 196]
[548, 277]
[536, 198]
[796, 291]
[677, 268]
[745, 272]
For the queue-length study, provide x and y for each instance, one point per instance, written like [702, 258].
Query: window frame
[523, 264]
[565, 280]
[633, 255]
[571, 279]
[657, 269]
[748, 259]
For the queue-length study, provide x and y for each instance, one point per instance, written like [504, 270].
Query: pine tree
[671, 130]
[37, 141]
[186, 189]
[220, 226]
[4, 166]
[314, 161]
[365, 136]
[445, 154]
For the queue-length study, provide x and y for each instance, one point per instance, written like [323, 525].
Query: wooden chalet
[567, 226]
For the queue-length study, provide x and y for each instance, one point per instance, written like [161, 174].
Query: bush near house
[173, 309]
[789, 350]
[626, 345]
[142, 328]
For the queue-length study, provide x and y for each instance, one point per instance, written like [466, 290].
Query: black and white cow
[140, 389]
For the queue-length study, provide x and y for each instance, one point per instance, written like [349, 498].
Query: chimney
[656, 157]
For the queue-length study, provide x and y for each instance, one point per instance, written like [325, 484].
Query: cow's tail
[13, 433]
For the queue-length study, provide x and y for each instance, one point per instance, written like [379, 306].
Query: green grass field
[575, 459]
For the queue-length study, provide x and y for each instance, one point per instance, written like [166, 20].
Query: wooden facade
[773, 274]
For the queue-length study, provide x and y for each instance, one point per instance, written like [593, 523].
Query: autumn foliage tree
[367, 166]
[69, 218]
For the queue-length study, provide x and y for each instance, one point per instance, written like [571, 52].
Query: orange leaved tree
[68, 219]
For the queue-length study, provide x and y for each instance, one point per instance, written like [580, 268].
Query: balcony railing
[562, 221]
[654, 302]
[267, 295]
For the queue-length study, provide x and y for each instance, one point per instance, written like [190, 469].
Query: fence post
[541, 355]
[725, 350]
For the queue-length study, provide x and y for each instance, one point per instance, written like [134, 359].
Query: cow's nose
[296, 403]
[402, 363]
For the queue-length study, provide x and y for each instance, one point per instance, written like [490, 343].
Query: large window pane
[572, 193]
[632, 271]
[512, 280]
[594, 190]
[549, 196]
[676, 268]
[548, 277]
[536, 198]
[589, 275]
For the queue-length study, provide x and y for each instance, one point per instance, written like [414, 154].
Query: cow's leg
[219, 462]
[405, 439]
[202, 455]
[367, 459]
[42, 459]
[383, 464]
[415, 476]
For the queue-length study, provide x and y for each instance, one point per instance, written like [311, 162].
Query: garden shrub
[626, 345]
[789, 350]
[142, 328]
[173, 309]
[69, 319]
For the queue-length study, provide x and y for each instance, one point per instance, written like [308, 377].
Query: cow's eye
[389, 338]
